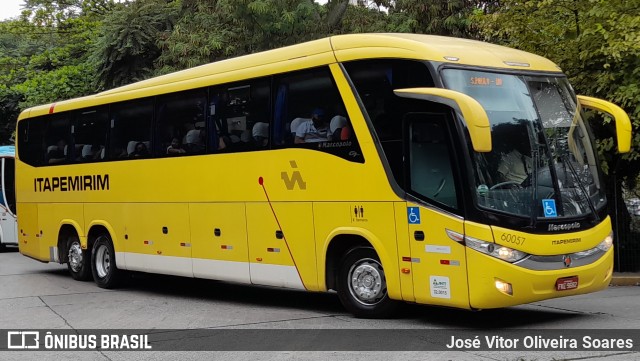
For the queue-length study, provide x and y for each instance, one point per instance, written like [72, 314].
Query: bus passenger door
[438, 260]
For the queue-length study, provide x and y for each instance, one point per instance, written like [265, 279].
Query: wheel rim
[367, 283]
[103, 261]
[75, 256]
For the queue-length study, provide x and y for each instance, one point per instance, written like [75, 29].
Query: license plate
[567, 283]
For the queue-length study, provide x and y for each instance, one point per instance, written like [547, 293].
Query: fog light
[504, 287]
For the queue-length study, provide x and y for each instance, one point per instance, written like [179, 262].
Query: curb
[625, 279]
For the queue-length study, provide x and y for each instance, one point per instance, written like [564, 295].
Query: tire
[103, 263]
[77, 260]
[362, 286]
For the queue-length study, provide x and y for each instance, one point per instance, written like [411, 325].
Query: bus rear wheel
[362, 286]
[103, 263]
[77, 260]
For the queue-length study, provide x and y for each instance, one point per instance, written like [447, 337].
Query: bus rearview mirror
[471, 111]
[623, 124]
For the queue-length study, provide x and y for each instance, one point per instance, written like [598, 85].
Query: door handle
[418, 235]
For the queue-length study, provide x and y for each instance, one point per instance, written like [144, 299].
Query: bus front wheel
[362, 286]
[77, 260]
[103, 263]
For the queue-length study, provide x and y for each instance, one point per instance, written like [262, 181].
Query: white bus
[8, 220]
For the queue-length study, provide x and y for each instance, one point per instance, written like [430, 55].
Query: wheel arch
[67, 229]
[341, 240]
[97, 228]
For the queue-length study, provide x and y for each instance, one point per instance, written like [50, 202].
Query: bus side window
[430, 158]
[374, 81]
[130, 122]
[60, 148]
[315, 114]
[31, 147]
[181, 123]
[241, 113]
[90, 134]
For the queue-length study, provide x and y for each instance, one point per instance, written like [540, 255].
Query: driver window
[430, 165]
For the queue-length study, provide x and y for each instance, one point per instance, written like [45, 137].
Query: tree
[128, 45]
[42, 61]
[211, 30]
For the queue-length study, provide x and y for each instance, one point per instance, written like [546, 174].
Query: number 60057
[512, 238]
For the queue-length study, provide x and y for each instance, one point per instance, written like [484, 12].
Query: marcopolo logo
[564, 227]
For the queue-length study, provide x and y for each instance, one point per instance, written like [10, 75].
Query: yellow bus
[386, 167]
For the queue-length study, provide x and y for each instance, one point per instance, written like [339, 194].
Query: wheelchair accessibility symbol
[414, 215]
[549, 206]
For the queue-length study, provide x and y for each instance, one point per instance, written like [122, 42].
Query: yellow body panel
[438, 262]
[29, 232]
[110, 216]
[229, 219]
[404, 250]
[438, 48]
[552, 244]
[158, 230]
[336, 218]
[294, 248]
[529, 286]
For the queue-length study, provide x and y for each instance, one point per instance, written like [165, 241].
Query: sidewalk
[625, 279]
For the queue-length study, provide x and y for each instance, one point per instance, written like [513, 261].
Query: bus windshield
[543, 163]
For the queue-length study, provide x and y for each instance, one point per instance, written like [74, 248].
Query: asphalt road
[34, 295]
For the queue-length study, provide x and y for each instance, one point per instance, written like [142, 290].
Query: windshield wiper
[565, 160]
[534, 183]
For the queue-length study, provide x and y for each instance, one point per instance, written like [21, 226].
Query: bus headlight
[606, 243]
[495, 250]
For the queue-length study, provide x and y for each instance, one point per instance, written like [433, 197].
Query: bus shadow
[263, 296]
[512, 317]
[328, 303]
[9, 249]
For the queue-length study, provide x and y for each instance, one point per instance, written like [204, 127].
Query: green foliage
[361, 19]
[44, 56]
[431, 16]
[213, 30]
[65, 82]
[128, 45]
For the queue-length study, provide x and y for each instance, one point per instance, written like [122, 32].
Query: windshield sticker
[414, 215]
[549, 206]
